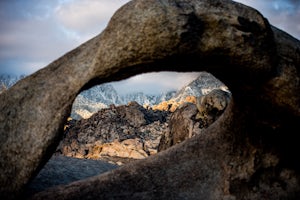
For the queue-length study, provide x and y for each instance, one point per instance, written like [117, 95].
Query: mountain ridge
[102, 96]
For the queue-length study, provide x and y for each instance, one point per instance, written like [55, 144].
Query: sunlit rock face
[248, 153]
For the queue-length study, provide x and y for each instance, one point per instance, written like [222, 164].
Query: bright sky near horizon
[34, 33]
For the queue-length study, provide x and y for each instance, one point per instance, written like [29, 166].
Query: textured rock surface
[61, 170]
[248, 153]
[189, 119]
[116, 134]
[182, 125]
[211, 106]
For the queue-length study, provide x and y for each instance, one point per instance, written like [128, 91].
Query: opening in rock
[116, 123]
[123, 121]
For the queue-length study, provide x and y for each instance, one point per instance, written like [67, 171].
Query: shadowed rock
[250, 152]
[211, 106]
[188, 120]
[182, 125]
[61, 170]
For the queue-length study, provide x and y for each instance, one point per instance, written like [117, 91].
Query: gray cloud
[86, 18]
[29, 39]
[152, 83]
[34, 33]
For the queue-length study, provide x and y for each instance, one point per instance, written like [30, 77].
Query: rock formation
[250, 152]
[189, 119]
[211, 106]
[182, 125]
[117, 134]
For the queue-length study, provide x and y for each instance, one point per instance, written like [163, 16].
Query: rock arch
[248, 153]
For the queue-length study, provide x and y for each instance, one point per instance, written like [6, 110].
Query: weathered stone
[61, 170]
[211, 106]
[250, 152]
[182, 125]
[188, 120]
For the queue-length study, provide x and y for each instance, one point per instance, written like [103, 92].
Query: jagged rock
[248, 153]
[116, 134]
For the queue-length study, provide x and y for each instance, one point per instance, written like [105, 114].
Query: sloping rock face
[117, 134]
[248, 153]
[62, 170]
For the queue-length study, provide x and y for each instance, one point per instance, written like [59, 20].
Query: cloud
[283, 14]
[153, 83]
[86, 17]
[29, 39]
[36, 33]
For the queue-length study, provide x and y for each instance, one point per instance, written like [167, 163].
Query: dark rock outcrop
[211, 106]
[250, 152]
[117, 134]
[189, 119]
[182, 125]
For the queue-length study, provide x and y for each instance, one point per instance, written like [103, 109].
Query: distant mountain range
[6, 81]
[102, 96]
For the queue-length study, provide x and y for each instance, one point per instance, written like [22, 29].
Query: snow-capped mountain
[101, 96]
[202, 85]
[6, 81]
[104, 93]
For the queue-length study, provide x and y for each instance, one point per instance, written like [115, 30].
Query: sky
[33, 33]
